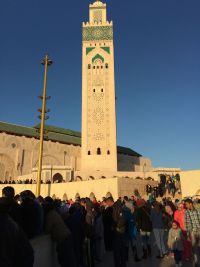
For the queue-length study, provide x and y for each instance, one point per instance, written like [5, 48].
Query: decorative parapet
[97, 4]
[90, 24]
[96, 33]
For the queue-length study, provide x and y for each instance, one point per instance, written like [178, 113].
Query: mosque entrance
[57, 178]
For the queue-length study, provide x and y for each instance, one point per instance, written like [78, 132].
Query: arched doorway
[198, 193]
[65, 198]
[108, 195]
[92, 196]
[79, 178]
[57, 178]
[77, 196]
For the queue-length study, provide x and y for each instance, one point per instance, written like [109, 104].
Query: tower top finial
[98, 3]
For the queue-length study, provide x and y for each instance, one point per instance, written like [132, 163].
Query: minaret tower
[99, 150]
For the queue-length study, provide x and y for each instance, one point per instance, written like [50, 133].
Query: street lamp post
[46, 62]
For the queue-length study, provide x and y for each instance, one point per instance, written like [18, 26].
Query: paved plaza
[151, 262]
[168, 261]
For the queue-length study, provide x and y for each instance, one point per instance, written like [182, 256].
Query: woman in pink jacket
[179, 216]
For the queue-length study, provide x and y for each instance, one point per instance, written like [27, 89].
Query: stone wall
[87, 175]
[190, 183]
[100, 188]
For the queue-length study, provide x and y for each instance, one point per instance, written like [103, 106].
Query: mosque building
[72, 156]
[65, 152]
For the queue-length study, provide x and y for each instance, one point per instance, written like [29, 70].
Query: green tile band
[97, 33]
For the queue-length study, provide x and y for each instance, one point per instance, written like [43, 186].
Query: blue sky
[157, 67]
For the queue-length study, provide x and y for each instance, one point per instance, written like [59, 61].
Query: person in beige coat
[175, 242]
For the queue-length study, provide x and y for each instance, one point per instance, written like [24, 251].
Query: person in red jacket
[179, 216]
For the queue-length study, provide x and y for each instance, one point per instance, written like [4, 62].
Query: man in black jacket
[120, 227]
[15, 211]
[15, 249]
[144, 225]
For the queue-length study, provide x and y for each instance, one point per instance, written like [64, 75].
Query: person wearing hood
[55, 226]
[15, 249]
[144, 226]
[120, 224]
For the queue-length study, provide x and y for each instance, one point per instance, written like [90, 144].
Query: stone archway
[198, 192]
[108, 195]
[57, 178]
[77, 196]
[79, 178]
[92, 196]
[65, 198]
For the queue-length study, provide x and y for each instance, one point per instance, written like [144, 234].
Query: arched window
[93, 67]
[94, 90]
[106, 65]
[102, 90]
[13, 145]
[77, 196]
[108, 152]
[89, 66]
[98, 151]
[89, 153]
[92, 196]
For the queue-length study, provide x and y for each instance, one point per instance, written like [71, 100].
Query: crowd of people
[26, 181]
[168, 185]
[85, 229]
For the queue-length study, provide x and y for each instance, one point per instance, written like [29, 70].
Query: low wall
[44, 252]
[86, 175]
[127, 187]
[116, 186]
[190, 183]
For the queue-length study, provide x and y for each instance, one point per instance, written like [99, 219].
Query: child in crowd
[175, 242]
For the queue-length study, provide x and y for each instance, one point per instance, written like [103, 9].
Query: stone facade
[19, 156]
[19, 148]
[65, 152]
